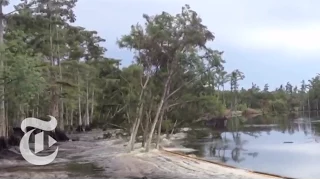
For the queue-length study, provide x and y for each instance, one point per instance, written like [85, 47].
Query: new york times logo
[25, 150]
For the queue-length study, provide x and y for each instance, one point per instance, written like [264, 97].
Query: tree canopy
[50, 66]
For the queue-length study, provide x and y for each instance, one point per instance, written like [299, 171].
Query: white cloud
[286, 27]
[302, 41]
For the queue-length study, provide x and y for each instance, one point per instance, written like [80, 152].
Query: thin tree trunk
[67, 117]
[143, 130]
[71, 118]
[6, 110]
[235, 100]
[145, 133]
[156, 118]
[38, 103]
[22, 115]
[167, 130]
[87, 121]
[54, 110]
[224, 101]
[153, 126]
[92, 106]
[2, 103]
[147, 123]
[136, 128]
[174, 125]
[128, 117]
[7, 118]
[79, 102]
[79, 108]
[139, 116]
[61, 110]
[159, 129]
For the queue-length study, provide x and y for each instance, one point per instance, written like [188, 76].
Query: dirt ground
[91, 158]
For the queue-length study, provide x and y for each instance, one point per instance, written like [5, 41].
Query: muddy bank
[92, 158]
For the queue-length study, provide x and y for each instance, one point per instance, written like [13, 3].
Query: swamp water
[278, 145]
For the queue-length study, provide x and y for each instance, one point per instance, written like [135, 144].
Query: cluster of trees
[50, 66]
[286, 98]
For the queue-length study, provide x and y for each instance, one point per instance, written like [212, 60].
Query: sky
[270, 41]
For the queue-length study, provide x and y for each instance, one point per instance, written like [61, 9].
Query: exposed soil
[92, 158]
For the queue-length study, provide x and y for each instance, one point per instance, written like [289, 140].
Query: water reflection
[278, 145]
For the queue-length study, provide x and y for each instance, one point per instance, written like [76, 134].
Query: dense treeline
[285, 98]
[50, 66]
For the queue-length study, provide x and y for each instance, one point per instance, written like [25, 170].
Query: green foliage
[25, 78]
[49, 62]
[242, 107]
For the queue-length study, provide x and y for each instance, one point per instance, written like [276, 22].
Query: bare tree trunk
[153, 126]
[92, 106]
[61, 112]
[159, 129]
[84, 122]
[38, 103]
[71, 118]
[67, 117]
[136, 128]
[174, 125]
[167, 130]
[145, 133]
[87, 121]
[139, 116]
[79, 109]
[61, 109]
[147, 123]
[54, 110]
[224, 101]
[156, 118]
[7, 119]
[79, 102]
[21, 113]
[128, 117]
[2, 103]
[6, 110]
[235, 100]
[231, 105]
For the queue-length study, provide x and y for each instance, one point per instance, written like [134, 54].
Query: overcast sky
[271, 41]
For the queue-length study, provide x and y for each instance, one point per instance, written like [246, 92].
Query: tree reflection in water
[231, 146]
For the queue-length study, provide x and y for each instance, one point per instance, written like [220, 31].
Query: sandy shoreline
[89, 158]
